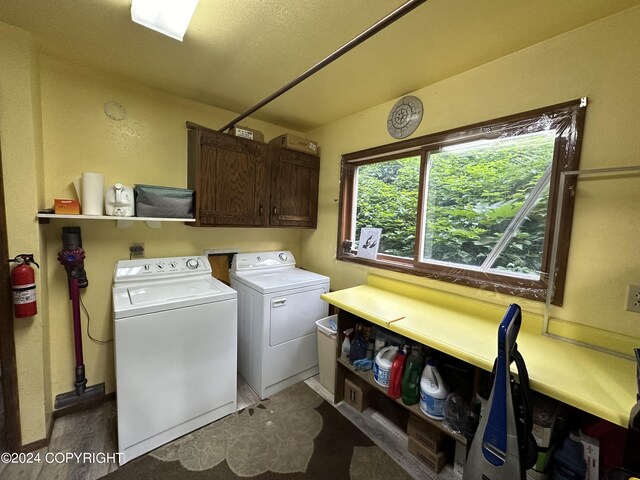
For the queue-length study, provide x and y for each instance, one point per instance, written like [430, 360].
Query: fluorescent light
[170, 17]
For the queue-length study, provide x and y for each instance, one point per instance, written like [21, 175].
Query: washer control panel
[159, 268]
[260, 260]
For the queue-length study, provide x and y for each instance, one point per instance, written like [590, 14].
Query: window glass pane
[387, 198]
[523, 254]
[476, 195]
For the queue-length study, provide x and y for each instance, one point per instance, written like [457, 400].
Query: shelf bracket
[128, 223]
[124, 223]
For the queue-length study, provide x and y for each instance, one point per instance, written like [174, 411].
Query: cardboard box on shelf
[358, 396]
[459, 459]
[66, 207]
[246, 132]
[544, 457]
[591, 449]
[424, 433]
[533, 475]
[434, 460]
[545, 412]
[296, 143]
[542, 434]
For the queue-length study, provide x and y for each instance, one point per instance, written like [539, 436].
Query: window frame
[570, 115]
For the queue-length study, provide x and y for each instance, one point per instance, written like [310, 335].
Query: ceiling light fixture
[170, 17]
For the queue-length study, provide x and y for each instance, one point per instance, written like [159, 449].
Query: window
[474, 205]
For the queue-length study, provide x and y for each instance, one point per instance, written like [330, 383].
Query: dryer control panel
[160, 268]
[260, 260]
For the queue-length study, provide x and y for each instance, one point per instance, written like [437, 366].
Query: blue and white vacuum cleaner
[503, 446]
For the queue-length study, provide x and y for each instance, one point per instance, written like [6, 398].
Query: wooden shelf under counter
[345, 369]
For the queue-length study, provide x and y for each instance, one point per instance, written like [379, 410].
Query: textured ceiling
[237, 52]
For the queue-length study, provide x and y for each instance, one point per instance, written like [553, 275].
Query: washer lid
[139, 298]
[270, 281]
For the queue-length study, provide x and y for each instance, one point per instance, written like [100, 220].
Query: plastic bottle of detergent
[568, 460]
[382, 365]
[358, 348]
[411, 377]
[433, 392]
[397, 371]
[346, 344]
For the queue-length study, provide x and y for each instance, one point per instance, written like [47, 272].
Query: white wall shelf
[122, 222]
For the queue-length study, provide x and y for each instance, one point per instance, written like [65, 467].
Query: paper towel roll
[92, 201]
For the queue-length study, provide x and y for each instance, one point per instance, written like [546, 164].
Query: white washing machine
[175, 350]
[278, 305]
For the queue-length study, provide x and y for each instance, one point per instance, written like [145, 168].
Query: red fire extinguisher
[23, 284]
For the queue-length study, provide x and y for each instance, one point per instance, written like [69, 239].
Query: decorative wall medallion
[404, 117]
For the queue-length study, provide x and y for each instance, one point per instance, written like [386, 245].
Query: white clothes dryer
[278, 305]
[175, 350]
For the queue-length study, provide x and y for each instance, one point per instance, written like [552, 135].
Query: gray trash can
[327, 348]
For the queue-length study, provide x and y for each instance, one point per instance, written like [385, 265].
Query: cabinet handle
[275, 210]
[260, 210]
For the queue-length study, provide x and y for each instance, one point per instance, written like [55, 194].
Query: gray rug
[294, 435]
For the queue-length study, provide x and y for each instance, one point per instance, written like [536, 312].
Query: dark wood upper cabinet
[240, 182]
[229, 176]
[294, 188]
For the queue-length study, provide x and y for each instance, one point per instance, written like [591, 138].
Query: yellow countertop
[598, 383]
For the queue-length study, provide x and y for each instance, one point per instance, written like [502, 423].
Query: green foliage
[472, 195]
[388, 199]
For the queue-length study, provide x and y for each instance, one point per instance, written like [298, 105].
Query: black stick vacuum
[72, 257]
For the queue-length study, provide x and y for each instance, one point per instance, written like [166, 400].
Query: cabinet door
[232, 184]
[294, 188]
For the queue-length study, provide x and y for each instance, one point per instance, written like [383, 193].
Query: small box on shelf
[424, 433]
[535, 475]
[295, 142]
[459, 460]
[434, 460]
[357, 395]
[66, 207]
[246, 132]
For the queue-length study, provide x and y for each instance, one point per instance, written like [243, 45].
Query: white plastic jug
[433, 392]
[382, 365]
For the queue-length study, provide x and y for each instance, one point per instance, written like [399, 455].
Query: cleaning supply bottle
[397, 371]
[411, 377]
[346, 344]
[359, 343]
[371, 348]
[382, 366]
[433, 392]
[568, 460]
[379, 343]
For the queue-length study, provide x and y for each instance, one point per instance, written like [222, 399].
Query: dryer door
[294, 313]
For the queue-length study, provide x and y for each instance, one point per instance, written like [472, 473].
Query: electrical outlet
[633, 298]
[136, 250]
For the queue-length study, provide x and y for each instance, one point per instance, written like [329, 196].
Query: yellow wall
[44, 151]
[53, 128]
[599, 61]
[148, 146]
[22, 171]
